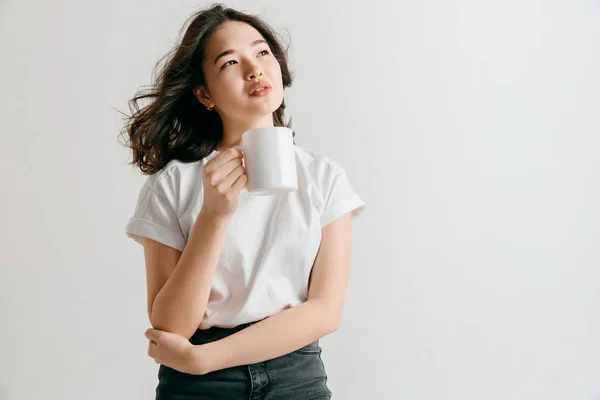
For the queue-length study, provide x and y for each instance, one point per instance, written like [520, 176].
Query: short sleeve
[339, 196]
[155, 218]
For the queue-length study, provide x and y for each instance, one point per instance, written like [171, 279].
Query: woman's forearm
[270, 338]
[180, 304]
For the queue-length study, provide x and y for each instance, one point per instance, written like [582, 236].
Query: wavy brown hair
[174, 125]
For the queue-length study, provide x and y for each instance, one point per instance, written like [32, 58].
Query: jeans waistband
[216, 333]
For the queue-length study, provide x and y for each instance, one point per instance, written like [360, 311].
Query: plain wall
[470, 128]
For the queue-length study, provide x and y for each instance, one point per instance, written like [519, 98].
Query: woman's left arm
[294, 327]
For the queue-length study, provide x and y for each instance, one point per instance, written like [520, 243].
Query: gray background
[469, 127]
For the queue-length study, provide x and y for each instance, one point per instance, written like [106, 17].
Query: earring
[209, 109]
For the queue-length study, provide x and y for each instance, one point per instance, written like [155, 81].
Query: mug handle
[240, 147]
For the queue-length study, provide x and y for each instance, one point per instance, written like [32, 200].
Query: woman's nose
[254, 75]
[254, 71]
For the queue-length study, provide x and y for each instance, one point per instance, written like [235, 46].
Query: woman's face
[230, 76]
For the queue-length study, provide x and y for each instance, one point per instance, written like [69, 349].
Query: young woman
[240, 287]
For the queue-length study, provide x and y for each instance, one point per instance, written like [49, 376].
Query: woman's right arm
[179, 283]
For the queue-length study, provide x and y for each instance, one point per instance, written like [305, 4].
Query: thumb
[152, 334]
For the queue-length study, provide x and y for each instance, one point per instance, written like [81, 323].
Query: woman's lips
[263, 92]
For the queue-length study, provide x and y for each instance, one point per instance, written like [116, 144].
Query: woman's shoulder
[174, 176]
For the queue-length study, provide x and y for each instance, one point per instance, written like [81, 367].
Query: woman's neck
[233, 131]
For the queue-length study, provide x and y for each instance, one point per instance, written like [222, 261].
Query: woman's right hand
[223, 178]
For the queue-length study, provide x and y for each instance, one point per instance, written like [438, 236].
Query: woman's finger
[222, 158]
[226, 169]
[231, 178]
[240, 182]
[153, 334]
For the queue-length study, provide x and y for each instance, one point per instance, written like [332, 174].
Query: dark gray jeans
[299, 375]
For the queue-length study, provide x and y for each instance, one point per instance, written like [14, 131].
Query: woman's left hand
[174, 351]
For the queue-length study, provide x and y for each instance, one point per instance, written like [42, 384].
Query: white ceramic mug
[270, 161]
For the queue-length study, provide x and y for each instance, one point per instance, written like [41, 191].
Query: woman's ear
[202, 96]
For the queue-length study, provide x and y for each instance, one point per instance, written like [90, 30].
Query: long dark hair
[175, 125]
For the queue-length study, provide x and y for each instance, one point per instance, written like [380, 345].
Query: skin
[230, 78]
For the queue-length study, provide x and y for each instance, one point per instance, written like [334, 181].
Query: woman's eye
[232, 61]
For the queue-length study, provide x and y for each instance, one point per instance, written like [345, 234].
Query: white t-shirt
[271, 242]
